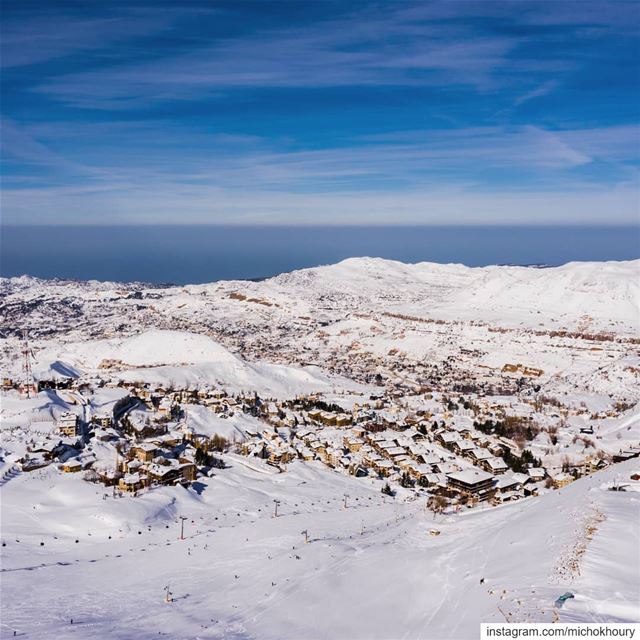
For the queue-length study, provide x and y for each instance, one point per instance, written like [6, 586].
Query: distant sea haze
[197, 254]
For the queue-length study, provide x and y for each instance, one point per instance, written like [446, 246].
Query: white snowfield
[559, 344]
[372, 570]
[608, 292]
[176, 358]
[602, 295]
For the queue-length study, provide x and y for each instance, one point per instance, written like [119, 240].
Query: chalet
[595, 464]
[537, 474]
[105, 435]
[131, 482]
[188, 470]
[319, 448]
[332, 456]
[627, 454]
[462, 429]
[416, 453]
[435, 480]
[33, 462]
[108, 476]
[463, 447]
[103, 420]
[495, 449]
[508, 483]
[145, 452]
[363, 415]
[472, 481]
[375, 440]
[479, 455]
[371, 459]
[406, 464]
[508, 496]
[165, 407]
[358, 432]
[354, 445]
[494, 465]
[509, 444]
[380, 444]
[343, 420]
[383, 467]
[306, 454]
[163, 474]
[71, 466]
[445, 467]
[561, 480]
[358, 470]
[447, 439]
[68, 424]
[171, 439]
[327, 418]
[432, 459]
[46, 447]
[393, 453]
[419, 471]
[131, 466]
[214, 404]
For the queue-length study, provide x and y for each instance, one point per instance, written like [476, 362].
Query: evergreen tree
[387, 490]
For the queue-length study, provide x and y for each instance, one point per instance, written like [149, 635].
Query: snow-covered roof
[470, 476]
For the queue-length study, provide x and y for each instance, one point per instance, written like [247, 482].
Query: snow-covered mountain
[429, 355]
[607, 294]
[603, 295]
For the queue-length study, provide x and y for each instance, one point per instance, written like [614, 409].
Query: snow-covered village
[319, 319]
[255, 451]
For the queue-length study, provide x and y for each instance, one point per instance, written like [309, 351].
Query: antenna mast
[26, 364]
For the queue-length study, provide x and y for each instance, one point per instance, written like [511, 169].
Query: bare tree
[437, 504]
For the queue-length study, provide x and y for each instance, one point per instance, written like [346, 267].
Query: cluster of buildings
[435, 448]
[410, 449]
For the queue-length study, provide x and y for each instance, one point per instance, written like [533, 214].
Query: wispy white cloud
[411, 177]
[471, 64]
[400, 45]
[366, 48]
[539, 91]
[31, 37]
[201, 204]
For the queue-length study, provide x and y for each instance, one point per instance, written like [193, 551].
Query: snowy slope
[151, 348]
[606, 292]
[370, 571]
[184, 359]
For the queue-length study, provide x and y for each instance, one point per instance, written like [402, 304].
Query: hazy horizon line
[564, 224]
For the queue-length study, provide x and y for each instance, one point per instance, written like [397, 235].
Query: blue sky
[320, 112]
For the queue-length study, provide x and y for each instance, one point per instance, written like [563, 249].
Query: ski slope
[369, 571]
